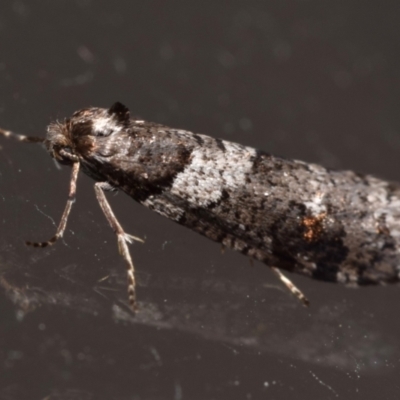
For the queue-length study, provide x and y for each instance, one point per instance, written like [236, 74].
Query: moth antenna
[21, 138]
[291, 286]
[67, 210]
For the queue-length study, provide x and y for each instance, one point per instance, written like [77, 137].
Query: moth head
[58, 142]
[76, 137]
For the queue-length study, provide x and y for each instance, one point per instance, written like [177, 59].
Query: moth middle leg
[123, 239]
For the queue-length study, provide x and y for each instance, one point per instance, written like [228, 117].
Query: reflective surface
[310, 80]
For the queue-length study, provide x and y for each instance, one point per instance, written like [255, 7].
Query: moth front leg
[123, 239]
[71, 199]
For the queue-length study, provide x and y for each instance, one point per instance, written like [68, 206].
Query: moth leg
[64, 217]
[123, 239]
[21, 138]
[293, 289]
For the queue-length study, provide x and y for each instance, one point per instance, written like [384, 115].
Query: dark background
[316, 80]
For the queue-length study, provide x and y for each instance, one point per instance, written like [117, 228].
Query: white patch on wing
[385, 206]
[315, 204]
[211, 170]
[384, 212]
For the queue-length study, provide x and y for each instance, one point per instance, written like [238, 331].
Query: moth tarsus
[335, 226]
[291, 287]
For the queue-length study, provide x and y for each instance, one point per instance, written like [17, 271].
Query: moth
[334, 226]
